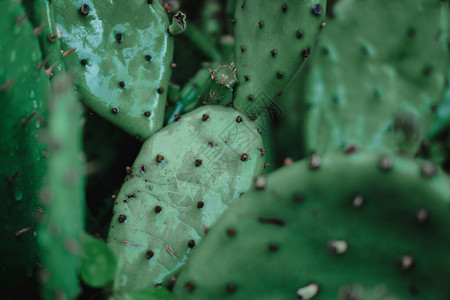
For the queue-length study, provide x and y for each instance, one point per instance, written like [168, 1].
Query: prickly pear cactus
[183, 179]
[315, 227]
[273, 40]
[377, 77]
[122, 59]
[62, 198]
[23, 93]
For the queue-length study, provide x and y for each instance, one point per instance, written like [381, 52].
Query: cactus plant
[322, 224]
[62, 198]
[23, 93]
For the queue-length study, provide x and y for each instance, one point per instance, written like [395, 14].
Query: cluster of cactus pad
[148, 148]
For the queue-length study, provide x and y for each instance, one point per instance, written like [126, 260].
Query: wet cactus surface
[226, 149]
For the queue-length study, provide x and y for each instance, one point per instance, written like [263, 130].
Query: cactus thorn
[49, 70]
[37, 31]
[19, 20]
[64, 54]
[6, 86]
[308, 292]
[28, 119]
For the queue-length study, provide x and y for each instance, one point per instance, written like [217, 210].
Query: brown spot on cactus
[147, 114]
[200, 204]
[279, 75]
[242, 48]
[337, 247]
[176, 118]
[173, 65]
[231, 232]
[128, 169]
[150, 1]
[262, 151]
[406, 262]
[260, 24]
[149, 254]
[83, 62]
[428, 169]
[299, 34]
[122, 84]
[158, 209]
[142, 169]
[191, 244]
[244, 157]
[160, 90]
[357, 201]
[315, 161]
[266, 165]
[122, 218]
[205, 117]
[284, 8]
[114, 110]
[272, 221]
[231, 288]
[250, 98]
[159, 158]
[273, 247]
[246, 77]
[190, 286]
[148, 57]
[350, 149]
[119, 37]
[239, 119]
[306, 53]
[198, 162]
[317, 10]
[273, 52]
[84, 10]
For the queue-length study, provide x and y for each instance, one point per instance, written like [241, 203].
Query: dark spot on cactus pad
[149, 254]
[160, 90]
[84, 9]
[337, 246]
[406, 262]
[176, 118]
[242, 48]
[158, 209]
[350, 149]
[246, 77]
[422, 216]
[262, 151]
[142, 169]
[198, 162]
[190, 286]
[147, 114]
[428, 169]
[272, 221]
[260, 24]
[385, 163]
[191, 244]
[411, 33]
[83, 62]
[119, 37]
[205, 117]
[427, 71]
[260, 131]
[250, 98]
[239, 119]
[122, 218]
[314, 161]
[114, 110]
[173, 65]
[357, 201]
[244, 156]
[131, 196]
[231, 288]
[273, 52]
[233, 21]
[317, 10]
[159, 158]
[150, 1]
[306, 53]
[273, 247]
[231, 232]
[122, 84]
[200, 204]
[148, 57]
[284, 8]
[299, 34]
[279, 75]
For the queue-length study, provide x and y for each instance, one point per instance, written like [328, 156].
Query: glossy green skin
[378, 233]
[349, 107]
[279, 33]
[63, 198]
[177, 184]
[20, 148]
[143, 29]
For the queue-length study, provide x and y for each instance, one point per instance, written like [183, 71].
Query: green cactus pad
[377, 77]
[23, 94]
[62, 198]
[317, 226]
[273, 40]
[183, 179]
[122, 60]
